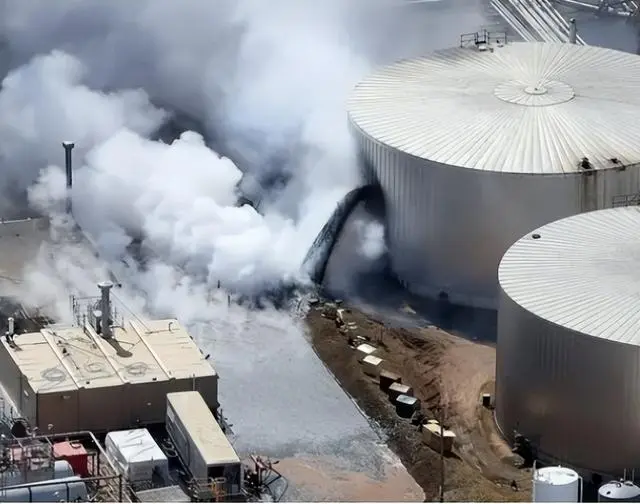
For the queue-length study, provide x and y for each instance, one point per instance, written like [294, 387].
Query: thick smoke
[268, 82]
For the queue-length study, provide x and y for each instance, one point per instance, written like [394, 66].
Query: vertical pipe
[573, 31]
[68, 147]
[441, 454]
[105, 308]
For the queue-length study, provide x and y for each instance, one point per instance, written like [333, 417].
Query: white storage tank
[568, 346]
[476, 145]
[71, 489]
[556, 484]
[619, 491]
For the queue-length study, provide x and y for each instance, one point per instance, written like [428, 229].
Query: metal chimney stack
[68, 147]
[105, 308]
[573, 31]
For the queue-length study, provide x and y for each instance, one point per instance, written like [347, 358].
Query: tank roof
[556, 475]
[620, 490]
[532, 108]
[581, 273]
[58, 359]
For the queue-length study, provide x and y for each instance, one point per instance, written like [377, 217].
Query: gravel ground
[283, 402]
[443, 369]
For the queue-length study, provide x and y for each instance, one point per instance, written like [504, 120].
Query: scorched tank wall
[448, 227]
[576, 397]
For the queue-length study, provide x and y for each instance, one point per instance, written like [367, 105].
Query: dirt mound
[444, 370]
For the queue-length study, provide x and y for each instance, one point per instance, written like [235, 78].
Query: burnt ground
[442, 369]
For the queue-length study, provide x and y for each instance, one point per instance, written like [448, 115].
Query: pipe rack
[535, 20]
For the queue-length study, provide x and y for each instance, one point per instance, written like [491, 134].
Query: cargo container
[202, 445]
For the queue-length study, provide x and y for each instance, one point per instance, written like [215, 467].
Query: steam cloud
[266, 80]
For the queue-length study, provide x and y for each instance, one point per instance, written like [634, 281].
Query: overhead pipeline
[317, 258]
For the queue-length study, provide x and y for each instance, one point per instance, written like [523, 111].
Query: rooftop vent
[105, 309]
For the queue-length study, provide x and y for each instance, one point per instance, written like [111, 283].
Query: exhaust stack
[68, 147]
[573, 31]
[105, 308]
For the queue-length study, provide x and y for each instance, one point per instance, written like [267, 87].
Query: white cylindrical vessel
[619, 491]
[474, 146]
[556, 484]
[568, 346]
[60, 469]
[62, 490]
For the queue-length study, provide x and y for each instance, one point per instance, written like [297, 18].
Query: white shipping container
[137, 454]
[200, 442]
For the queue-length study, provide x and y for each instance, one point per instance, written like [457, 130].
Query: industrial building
[100, 375]
[568, 355]
[475, 145]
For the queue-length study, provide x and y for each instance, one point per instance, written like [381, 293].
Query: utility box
[436, 438]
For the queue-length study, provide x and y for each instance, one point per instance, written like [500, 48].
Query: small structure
[406, 405]
[137, 455]
[397, 389]
[619, 491]
[75, 454]
[203, 447]
[364, 350]
[438, 438]
[556, 484]
[387, 378]
[371, 365]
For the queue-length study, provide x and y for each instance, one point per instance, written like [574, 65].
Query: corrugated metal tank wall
[448, 227]
[576, 397]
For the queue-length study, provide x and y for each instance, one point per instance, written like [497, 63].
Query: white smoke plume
[268, 82]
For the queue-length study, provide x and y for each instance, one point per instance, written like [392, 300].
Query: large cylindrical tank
[568, 347]
[556, 484]
[476, 145]
[619, 491]
[62, 490]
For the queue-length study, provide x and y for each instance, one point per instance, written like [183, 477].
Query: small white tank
[556, 484]
[619, 491]
[62, 490]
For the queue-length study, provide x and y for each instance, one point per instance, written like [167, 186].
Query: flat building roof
[59, 359]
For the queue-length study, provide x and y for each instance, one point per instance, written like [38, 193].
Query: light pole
[441, 422]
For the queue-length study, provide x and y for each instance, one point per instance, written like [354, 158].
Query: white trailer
[202, 445]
